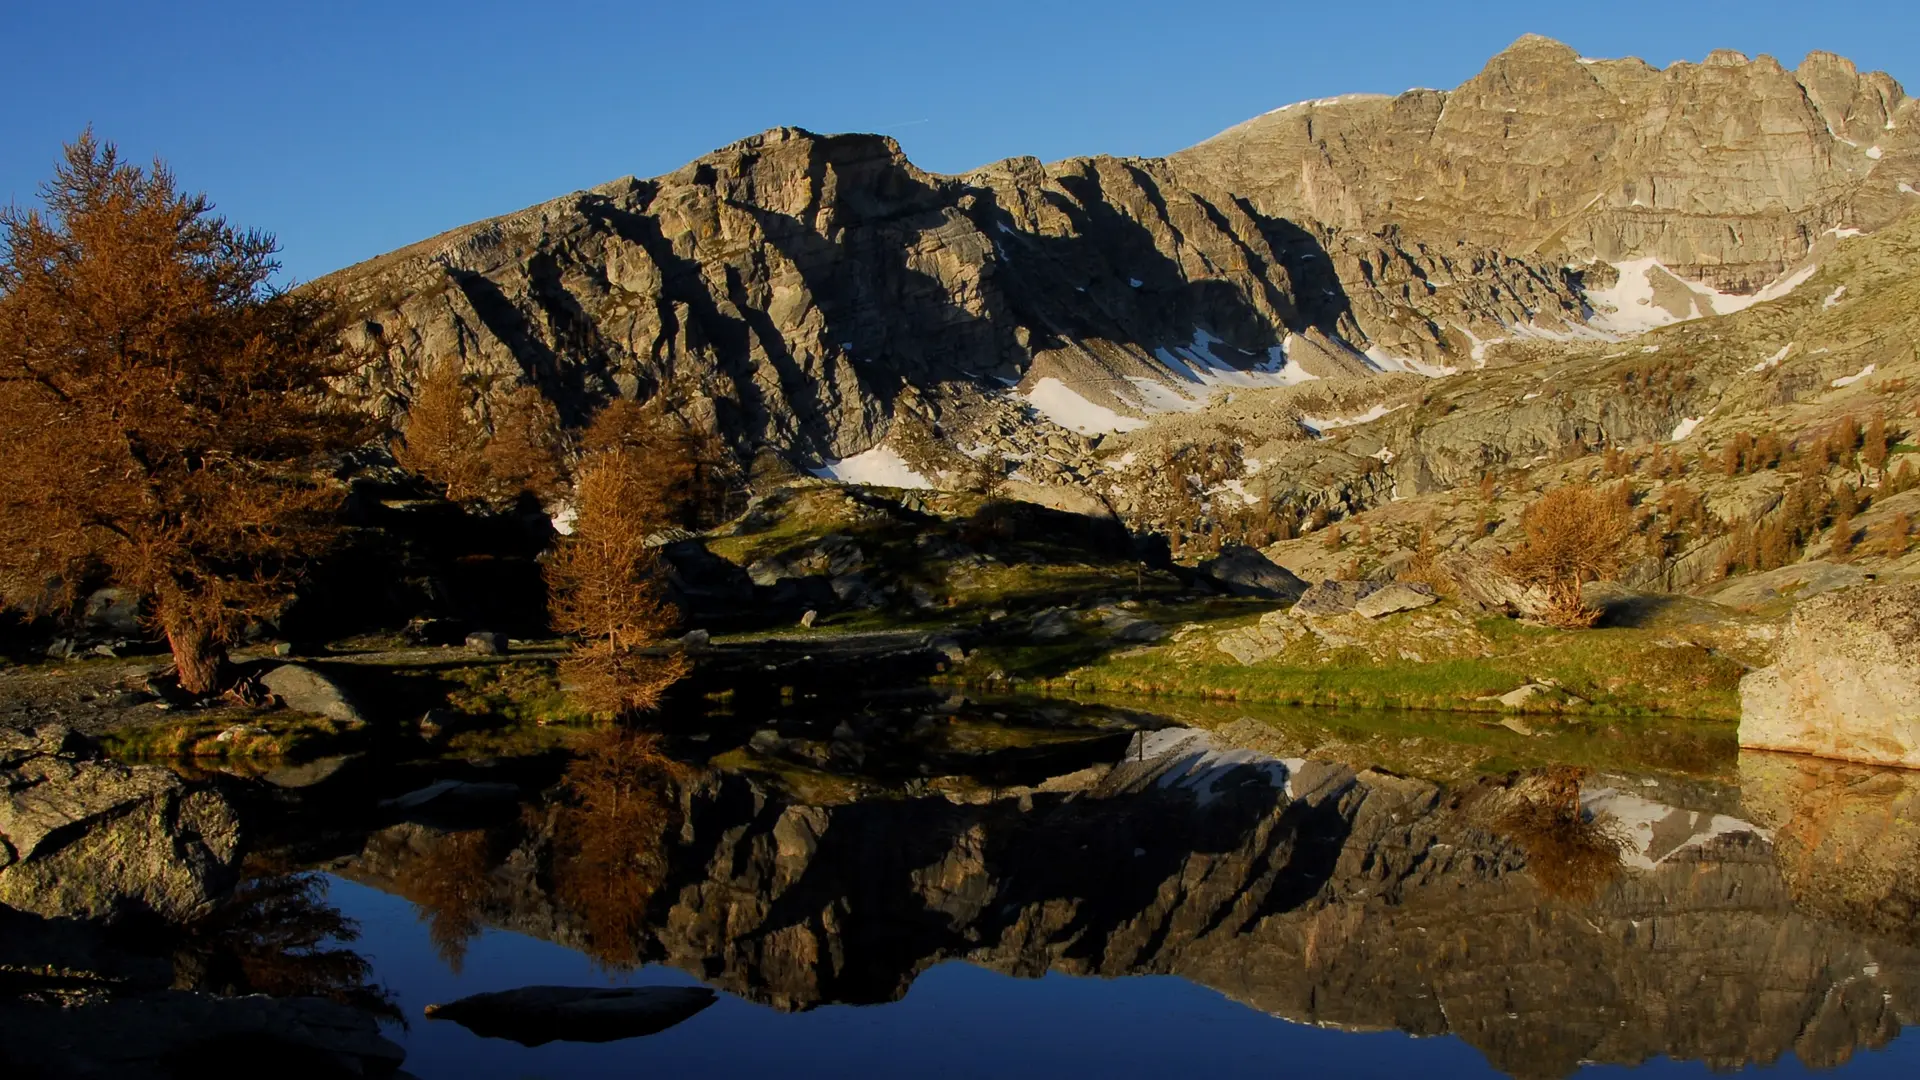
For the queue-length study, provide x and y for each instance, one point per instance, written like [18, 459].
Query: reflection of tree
[1569, 854]
[448, 884]
[618, 801]
[277, 935]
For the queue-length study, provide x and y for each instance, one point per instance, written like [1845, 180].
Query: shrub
[1572, 535]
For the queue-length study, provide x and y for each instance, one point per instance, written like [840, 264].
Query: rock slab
[85, 837]
[1846, 681]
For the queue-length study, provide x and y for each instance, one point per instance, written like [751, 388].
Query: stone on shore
[1846, 681]
[85, 837]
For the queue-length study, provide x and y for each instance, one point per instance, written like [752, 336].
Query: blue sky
[353, 128]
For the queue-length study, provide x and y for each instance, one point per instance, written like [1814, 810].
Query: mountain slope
[1725, 171]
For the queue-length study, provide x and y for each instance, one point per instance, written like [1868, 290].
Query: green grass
[514, 692]
[1619, 672]
[253, 736]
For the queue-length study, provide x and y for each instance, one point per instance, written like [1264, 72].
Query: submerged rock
[86, 837]
[1846, 681]
[534, 1015]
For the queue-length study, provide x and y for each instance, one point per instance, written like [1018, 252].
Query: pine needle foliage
[605, 583]
[1572, 535]
[164, 410]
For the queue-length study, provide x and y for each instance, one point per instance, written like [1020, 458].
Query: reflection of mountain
[1299, 888]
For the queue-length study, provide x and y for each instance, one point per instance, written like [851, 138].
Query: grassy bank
[1441, 660]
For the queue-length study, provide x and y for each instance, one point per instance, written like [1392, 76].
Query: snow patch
[1059, 403]
[1383, 361]
[1634, 310]
[1774, 360]
[1908, 188]
[1685, 428]
[1194, 764]
[1655, 832]
[1834, 300]
[1875, 153]
[881, 466]
[1320, 425]
[1135, 282]
[1849, 380]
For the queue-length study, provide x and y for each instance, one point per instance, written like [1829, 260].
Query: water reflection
[1549, 918]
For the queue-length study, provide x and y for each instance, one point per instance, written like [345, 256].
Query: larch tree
[605, 583]
[1571, 535]
[164, 411]
[482, 445]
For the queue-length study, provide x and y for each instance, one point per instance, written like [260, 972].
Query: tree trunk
[197, 658]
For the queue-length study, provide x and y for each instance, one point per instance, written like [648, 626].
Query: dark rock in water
[487, 643]
[86, 837]
[451, 791]
[1334, 597]
[541, 1014]
[178, 1034]
[1244, 571]
[303, 689]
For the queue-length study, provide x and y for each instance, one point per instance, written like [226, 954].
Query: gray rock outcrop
[1845, 683]
[1726, 171]
[1244, 571]
[304, 689]
[85, 837]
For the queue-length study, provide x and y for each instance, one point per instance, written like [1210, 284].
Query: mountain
[827, 305]
[1726, 172]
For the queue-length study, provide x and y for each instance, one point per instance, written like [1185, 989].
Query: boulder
[304, 689]
[1395, 597]
[1333, 597]
[487, 643]
[1244, 571]
[82, 836]
[541, 1014]
[1053, 624]
[1845, 683]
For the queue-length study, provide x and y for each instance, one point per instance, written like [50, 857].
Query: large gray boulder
[1244, 571]
[86, 837]
[1334, 597]
[1396, 597]
[304, 689]
[1846, 681]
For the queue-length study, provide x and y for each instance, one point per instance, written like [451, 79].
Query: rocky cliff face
[1301, 888]
[1726, 171]
[807, 292]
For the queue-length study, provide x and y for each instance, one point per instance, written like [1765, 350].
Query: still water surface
[1066, 894]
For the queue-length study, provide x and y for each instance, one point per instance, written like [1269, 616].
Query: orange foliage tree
[604, 579]
[163, 409]
[482, 445]
[1572, 535]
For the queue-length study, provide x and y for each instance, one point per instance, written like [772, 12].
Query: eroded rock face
[1726, 171]
[86, 837]
[1846, 681]
[811, 293]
